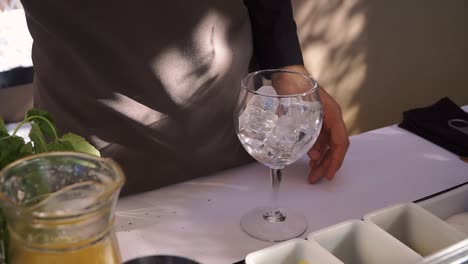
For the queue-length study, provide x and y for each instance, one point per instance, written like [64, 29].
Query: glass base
[270, 225]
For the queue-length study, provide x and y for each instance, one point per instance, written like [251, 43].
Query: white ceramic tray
[446, 205]
[404, 233]
[297, 251]
[358, 242]
[415, 227]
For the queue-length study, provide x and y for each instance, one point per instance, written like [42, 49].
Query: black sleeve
[274, 33]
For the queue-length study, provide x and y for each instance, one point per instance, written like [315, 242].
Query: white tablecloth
[200, 219]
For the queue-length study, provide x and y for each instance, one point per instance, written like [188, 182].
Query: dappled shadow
[333, 38]
[182, 65]
[199, 50]
[379, 58]
[416, 54]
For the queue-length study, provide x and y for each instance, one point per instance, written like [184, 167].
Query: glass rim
[117, 184]
[309, 78]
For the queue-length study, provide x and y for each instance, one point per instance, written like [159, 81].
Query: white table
[199, 219]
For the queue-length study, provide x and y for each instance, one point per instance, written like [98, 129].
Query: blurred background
[377, 58]
[16, 72]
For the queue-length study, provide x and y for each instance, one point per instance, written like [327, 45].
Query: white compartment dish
[449, 206]
[358, 242]
[404, 233]
[455, 254]
[294, 251]
[415, 227]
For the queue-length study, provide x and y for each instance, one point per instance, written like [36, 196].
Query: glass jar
[59, 208]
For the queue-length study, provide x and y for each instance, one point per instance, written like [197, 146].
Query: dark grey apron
[151, 83]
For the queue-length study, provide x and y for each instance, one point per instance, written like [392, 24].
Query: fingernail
[314, 180]
[330, 176]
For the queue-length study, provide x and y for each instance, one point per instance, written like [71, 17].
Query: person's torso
[145, 75]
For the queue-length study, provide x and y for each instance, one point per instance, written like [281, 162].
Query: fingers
[339, 142]
[317, 155]
[314, 175]
[333, 162]
[324, 161]
[328, 154]
[328, 165]
[320, 147]
[318, 168]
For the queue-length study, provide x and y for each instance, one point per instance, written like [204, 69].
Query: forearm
[274, 33]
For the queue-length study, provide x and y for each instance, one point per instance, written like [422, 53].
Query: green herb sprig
[43, 138]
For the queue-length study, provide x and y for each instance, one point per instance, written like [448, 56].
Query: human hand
[328, 153]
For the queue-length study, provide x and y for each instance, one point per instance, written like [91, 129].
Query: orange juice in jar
[104, 251]
[59, 209]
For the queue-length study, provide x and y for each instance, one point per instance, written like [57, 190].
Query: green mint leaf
[3, 129]
[38, 112]
[60, 146]
[10, 150]
[48, 130]
[80, 144]
[26, 150]
[37, 138]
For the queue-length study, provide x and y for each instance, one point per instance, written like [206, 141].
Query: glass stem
[274, 214]
[275, 185]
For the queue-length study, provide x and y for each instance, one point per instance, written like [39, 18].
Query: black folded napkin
[16, 76]
[432, 123]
